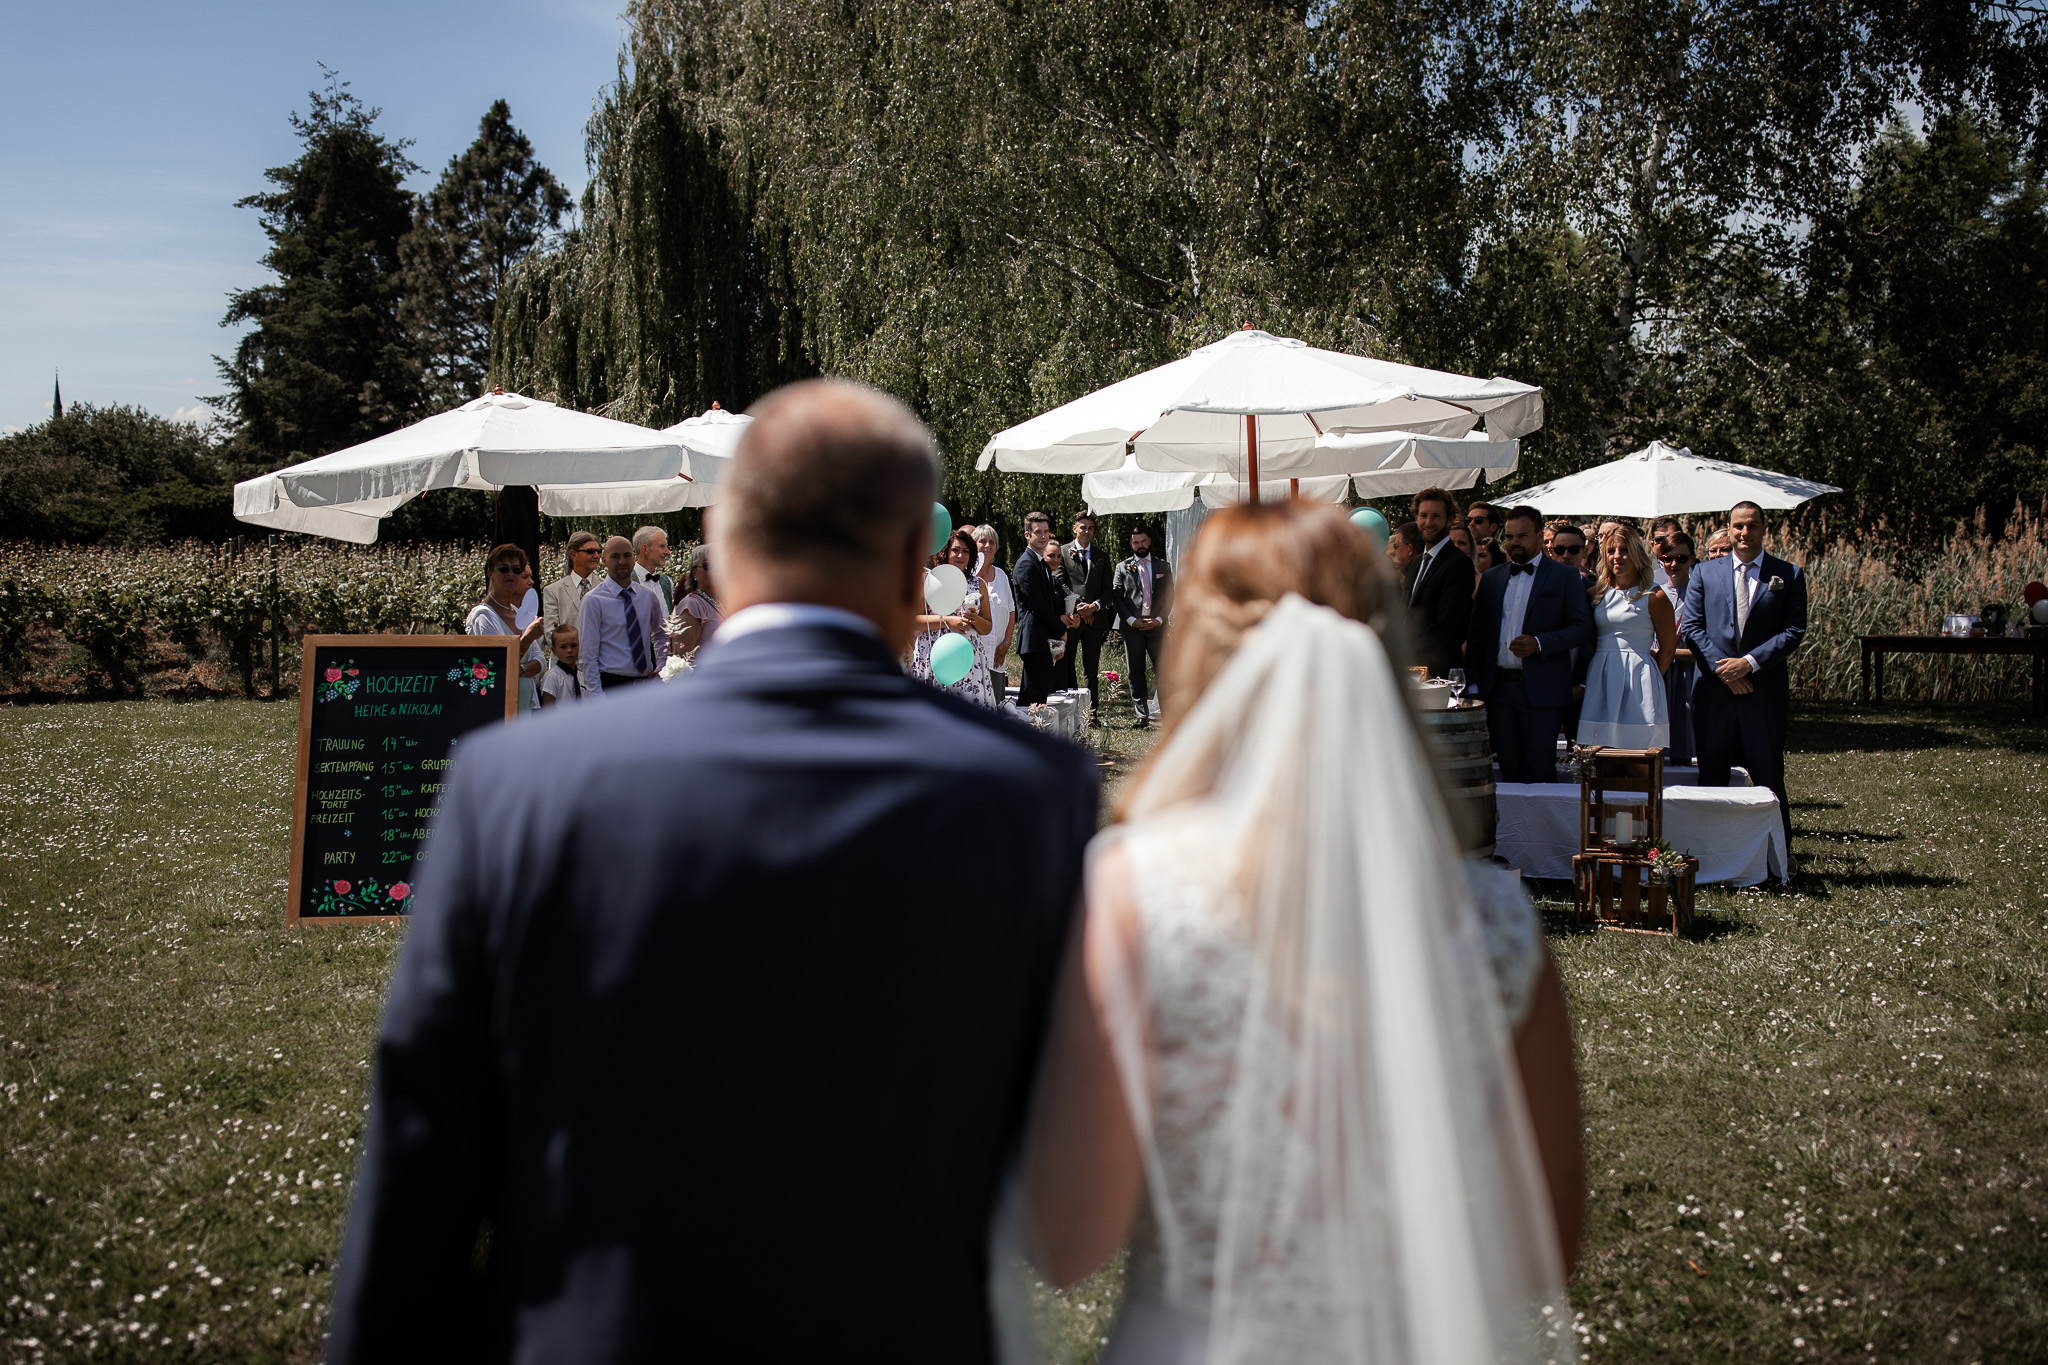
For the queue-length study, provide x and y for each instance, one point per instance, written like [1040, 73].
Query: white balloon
[945, 588]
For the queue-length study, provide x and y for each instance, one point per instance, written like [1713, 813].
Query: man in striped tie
[621, 625]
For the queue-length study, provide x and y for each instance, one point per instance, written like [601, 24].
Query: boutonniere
[1776, 584]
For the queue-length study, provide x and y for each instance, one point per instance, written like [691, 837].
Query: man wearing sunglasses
[1482, 521]
[561, 602]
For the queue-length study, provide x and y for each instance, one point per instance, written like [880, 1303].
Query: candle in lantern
[1624, 827]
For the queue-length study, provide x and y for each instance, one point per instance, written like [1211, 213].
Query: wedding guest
[1744, 615]
[1404, 547]
[1636, 636]
[621, 626]
[1227, 1084]
[562, 600]
[650, 556]
[1567, 546]
[696, 617]
[1002, 607]
[1677, 555]
[1531, 612]
[1482, 519]
[701, 1043]
[560, 683]
[1089, 574]
[972, 619]
[1440, 591]
[1461, 538]
[1486, 555]
[1144, 600]
[506, 610]
[1718, 544]
[1041, 607]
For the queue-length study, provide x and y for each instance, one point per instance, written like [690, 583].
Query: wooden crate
[1621, 770]
[1615, 891]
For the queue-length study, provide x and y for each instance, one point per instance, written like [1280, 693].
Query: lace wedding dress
[1313, 1031]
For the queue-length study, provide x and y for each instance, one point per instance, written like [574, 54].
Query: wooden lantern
[1610, 791]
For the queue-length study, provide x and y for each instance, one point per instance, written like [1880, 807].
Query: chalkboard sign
[380, 717]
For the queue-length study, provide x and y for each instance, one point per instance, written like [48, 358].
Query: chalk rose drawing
[338, 682]
[478, 675]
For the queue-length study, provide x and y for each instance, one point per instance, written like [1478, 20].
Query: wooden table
[1875, 647]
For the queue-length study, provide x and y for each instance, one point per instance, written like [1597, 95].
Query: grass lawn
[1819, 1131]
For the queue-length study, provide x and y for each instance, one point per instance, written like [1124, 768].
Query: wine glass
[1457, 686]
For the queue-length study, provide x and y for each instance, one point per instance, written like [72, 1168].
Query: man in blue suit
[719, 1075]
[1744, 615]
[1530, 614]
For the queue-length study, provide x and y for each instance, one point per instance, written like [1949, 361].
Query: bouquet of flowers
[1664, 861]
[1582, 760]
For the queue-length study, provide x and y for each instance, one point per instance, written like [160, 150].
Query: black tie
[1514, 569]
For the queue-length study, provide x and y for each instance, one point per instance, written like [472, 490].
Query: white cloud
[9, 431]
[197, 412]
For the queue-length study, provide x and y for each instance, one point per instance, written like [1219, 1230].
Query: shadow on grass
[1911, 728]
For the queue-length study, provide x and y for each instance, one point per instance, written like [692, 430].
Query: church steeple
[57, 401]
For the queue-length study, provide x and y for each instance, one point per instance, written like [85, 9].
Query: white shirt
[643, 574]
[1514, 605]
[602, 626]
[1000, 607]
[483, 619]
[1753, 571]
[782, 615]
[557, 682]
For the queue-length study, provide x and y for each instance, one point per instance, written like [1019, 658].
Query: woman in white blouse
[510, 608]
[1002, 608]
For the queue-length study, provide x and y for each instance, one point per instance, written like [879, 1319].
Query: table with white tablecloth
[1735, 832]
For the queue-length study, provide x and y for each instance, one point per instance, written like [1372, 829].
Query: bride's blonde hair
[1638, 555]
[1242, 562]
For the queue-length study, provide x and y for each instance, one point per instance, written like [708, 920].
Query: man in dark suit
[1530, 614]
[1041, 607]
[1744, 615]
[1144, 599]
[1089, 573]
[1440, 591]
[711, 1078]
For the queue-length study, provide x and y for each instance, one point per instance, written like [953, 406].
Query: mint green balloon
[952, 658]
[942, 527]
[1372, 523]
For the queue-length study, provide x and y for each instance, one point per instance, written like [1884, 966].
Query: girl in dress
[1626, 706]
[972, 619]
[510, 608]
[1326, 1089]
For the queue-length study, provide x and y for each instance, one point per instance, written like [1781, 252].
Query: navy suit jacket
[1776, 625]
[716, 1025]
[1041, 601]
[1558, 615]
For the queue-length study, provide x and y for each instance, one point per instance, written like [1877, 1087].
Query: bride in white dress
[1315, 1066]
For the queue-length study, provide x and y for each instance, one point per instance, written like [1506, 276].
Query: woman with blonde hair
[1313, 1063]
[1626, 705]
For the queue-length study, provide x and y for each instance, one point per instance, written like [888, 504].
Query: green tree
[490, 208]
[327, 363]
[112, 473]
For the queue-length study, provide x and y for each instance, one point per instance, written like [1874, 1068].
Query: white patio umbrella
[1387, 464]
[1662, 481]
[1254, 405]
[498, 441]
[709, 441]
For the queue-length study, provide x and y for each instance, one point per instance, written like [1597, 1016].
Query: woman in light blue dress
[1626, 706]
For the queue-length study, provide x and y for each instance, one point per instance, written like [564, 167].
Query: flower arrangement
[1663, 860]
[1582, 760]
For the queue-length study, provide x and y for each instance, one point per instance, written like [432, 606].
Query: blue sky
[128, 131]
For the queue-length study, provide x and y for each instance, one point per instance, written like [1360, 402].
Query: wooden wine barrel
[1463, 753]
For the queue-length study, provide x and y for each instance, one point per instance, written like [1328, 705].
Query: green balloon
[1372, 523]
[942, 527]
[952, 658]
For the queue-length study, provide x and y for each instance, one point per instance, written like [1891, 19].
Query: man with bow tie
[1530, 613]
[1744, 615]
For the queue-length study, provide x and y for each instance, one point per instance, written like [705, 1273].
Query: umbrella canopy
[1663, 481]
[709, 441]
[500, 440]
[1254, 404]
[1387, 464]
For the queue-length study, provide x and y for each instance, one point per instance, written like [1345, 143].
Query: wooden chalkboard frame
[309, 648]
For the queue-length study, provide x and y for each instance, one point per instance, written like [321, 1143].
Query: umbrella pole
[1294, 488]
[517, 522]
[1251, 454]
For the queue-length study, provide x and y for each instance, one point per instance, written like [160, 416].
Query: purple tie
[636, 639]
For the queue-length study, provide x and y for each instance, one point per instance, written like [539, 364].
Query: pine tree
[489, 210]
[327, 364]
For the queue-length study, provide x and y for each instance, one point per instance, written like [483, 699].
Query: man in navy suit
[1041, 598]
[1744, 615]
[719, 1077]
[1530, 614]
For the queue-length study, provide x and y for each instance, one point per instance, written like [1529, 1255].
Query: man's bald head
[829, 500]
[827, 470]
